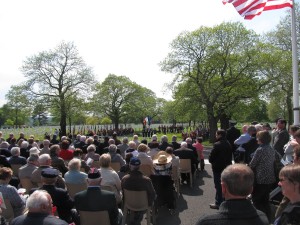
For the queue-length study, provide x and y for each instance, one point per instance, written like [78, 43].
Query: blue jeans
[217, 180]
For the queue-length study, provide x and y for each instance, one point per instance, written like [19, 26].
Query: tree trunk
[224, 120]
[63, 119]
[212, 122]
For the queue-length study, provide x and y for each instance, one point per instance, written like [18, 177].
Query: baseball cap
[135, 161]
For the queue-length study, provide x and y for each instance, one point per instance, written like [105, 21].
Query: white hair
[15, 151]
[91, 148]
[24, 144]
[74, 164]
[189, 140]
[183, 144]
[46, 142]
[37, 199]
[132, 144]
[82, 138]
[44, 158]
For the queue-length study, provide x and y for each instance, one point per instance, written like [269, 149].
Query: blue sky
[121, 37]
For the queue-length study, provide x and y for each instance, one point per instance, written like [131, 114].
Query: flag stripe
[251, 8]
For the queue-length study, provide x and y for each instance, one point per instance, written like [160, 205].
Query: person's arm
[256, 158]
[213, 154]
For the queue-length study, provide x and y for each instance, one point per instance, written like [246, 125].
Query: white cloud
[123, 37]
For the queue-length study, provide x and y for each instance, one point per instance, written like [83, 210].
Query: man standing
[136, 181]
[281, 136]
[220, 157]
[95, 199]
[232, 133]
[39, 205]
[236, 209]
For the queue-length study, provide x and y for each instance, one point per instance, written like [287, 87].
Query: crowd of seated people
[73, 160]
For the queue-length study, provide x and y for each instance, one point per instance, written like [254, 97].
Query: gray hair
[112, 148]
[33, 157]
[125, 140]
[37, 199]
[74, 164]
[111, 141]
[132, 144]
[183, 144]
[46, 142]
[238, 174]
[164, 138]
[15, 151]
[24, 144]
[44, 158]
[91, 148]
[189, 140]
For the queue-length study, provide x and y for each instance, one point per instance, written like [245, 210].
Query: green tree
[122, 100]
[280, 66]
[57, 75]
[220, 62]
[19, 103]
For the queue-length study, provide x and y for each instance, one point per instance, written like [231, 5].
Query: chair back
[146, 169]
[27, 184]
[136, 200]
[94, 218]
[115, 166]
[185, 166]
[15, 168]
[8, 213]
[75, 188]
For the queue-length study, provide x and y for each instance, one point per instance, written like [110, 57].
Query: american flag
[251, 8]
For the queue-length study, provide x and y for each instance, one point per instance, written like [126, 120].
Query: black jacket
[221, 155]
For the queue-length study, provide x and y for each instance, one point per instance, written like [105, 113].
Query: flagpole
[295, 68]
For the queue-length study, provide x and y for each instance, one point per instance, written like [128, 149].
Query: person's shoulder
[210, 219]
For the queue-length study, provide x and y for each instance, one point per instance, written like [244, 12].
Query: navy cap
[50, 173]
[135, 161]
[94, 173]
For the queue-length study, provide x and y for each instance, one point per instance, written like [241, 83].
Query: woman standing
[262, 165]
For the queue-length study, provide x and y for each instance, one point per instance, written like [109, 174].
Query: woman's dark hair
[65, 144]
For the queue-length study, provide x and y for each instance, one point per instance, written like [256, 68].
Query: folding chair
[176, 179]
[75, 188]
[185, 167]
[15, 168]
[94, 217]
[27, 184]
[146, 169]
[8, 213]
[137, 201]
